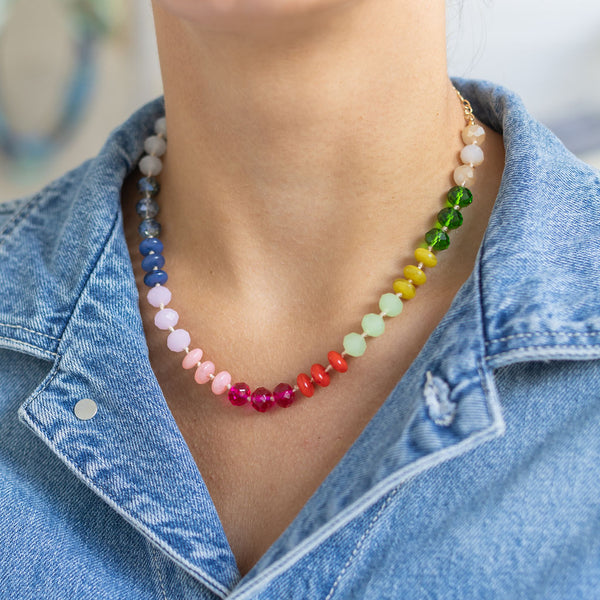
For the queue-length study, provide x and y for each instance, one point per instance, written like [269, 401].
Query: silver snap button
[85, 409]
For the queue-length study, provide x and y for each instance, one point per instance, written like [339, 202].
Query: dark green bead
[450, 218]
[460, 195]
[437, 239]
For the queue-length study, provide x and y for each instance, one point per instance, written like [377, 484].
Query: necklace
[354, 344]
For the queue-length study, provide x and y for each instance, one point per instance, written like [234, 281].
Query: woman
[311, 145]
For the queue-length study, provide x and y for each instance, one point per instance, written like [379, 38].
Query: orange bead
[305, 385]
[320, 375]
[337, 361]
[401, 286]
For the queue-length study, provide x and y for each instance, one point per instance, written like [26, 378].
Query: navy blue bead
[149, 228]
[154, 277]
[153, 260]
[147, 208]
[151, 243]
[148, 186]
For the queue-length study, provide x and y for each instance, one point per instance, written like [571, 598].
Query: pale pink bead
[158, 295]
[204, 371]
[472, 155]
[473, 134]
[165, 318]
[220, 382]
[178, 340]
[464, 175]
[192, 358]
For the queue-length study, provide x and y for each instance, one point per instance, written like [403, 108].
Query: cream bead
[150, 165]
[160, 126]
[464, 175]
[472, 155]
[473, 134]
[155, 145]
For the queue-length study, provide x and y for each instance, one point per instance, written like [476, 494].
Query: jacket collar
[71, 297]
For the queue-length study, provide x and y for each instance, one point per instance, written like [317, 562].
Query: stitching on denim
[154, 560]
[2, 337]
[19, 213]
[31, 331]
[548, 333]
[360, 543]
[512, 351]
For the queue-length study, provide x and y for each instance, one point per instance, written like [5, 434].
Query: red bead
[239, 394]
[284, 395]
[305, 385]
[262, 399]
[337, 361]
[320, 375]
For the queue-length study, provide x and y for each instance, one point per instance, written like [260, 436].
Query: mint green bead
[355, 344]
[373, 325]
[390, 304]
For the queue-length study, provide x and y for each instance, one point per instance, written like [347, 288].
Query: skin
[310, 144]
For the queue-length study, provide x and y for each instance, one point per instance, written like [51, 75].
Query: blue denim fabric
[479, 477]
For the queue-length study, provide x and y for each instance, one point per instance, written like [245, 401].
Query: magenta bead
[220, 382]
[192, 358]
[158, 295]
[204, 371]
[239, 394]
[165, 318]
[262, 399]
[178, 340]
[284, 395]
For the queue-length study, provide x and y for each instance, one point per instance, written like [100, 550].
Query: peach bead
[204, 371]
[473, 134]
[464, 175]
[192, 358]
[220, 382]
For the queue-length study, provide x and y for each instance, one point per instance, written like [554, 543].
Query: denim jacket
[479, 477]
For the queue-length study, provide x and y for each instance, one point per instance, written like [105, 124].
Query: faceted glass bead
[147, 208]
[153, 260]
[320, 375]
[150, 165]
[437, 239]
[149, 228]
[450, 218]
[159, 294]
[150, 244]
[178, 340]
[354, 344]
[239, 394]
[262, 399]
[460, 195]
[166, 318]
[373, 325]
[156, 276]
[284, 395]
[148, 186]
[390, 304]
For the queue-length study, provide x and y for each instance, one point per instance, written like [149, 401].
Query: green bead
[450, 218]
[355, 344]
[373, 324]
[390, 304]
[460, 195]
[437, 239]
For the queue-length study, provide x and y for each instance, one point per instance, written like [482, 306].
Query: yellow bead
[424, 256]
[401, 286]
[415, 274]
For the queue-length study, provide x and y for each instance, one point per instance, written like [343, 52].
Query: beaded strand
[354, 344]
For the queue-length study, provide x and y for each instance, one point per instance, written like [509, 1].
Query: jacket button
[85, 409]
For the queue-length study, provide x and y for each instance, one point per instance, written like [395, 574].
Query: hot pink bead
[158, 295]
[204, 371]
[262, 400]
[220, 382]
[192, 358]
[239, 394]
[165, 318]
[284, 394]
[178, 340]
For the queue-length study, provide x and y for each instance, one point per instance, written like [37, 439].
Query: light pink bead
[158, 295]
[473, 134]
[165, 318]
[178, 340]
[192, 358]
[220, 382]
[464, 175]
[472, 155]
[204, 371]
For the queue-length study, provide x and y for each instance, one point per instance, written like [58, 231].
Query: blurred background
[72, 70]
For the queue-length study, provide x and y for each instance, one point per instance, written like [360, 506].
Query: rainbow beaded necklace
[354, 344]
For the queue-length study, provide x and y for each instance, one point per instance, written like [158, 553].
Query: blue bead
[151, 243]
[153, 260]
[154, 277]
[149, 228]
[147, 208]
[148, 186]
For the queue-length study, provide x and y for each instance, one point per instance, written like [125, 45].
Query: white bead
[150, 165]
[473, 134]
[464, 175]
[155, 145]
[160, 126]
[472, 155]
